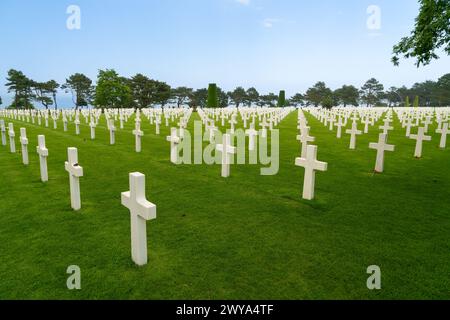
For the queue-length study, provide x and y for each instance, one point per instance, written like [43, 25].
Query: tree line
[114, 91]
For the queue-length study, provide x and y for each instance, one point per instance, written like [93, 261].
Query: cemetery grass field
[245, 237]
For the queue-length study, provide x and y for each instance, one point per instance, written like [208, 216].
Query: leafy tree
[238, 96]
[347, 95]
[431, 32]
[407, 104]
[45, 92]
[162, 93]
[281, 99]
[372, 92]
[416, 102]
[392, 96]
[21, 85]
[328, 102]
[81, 89]
[297, 99]
[181, 95]
[212, 101]
[269, 100]
[112, 90]
[146, 91]
[251, 96]
[198, 98]
[443, 90]
[222, 98]
[318, 93]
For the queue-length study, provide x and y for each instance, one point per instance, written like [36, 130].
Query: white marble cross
[427, 122]
[386, 127]
[174, 141]
[24, 144]
[304, 138]
[141, 210]
[381, 147]
[227, 151]
[112, 132]
[252, 134]
[65, 123]
[408, 125]
[92, 125]
[138, 133]
[310, 164]
[75, 172]
[3, 132]
[11, 134]
[353, 133]
[444, 132]
[419, 137]
[77, 124]
[157, 123]
[339, 124]
[366, 122]
[43, 154]
[233, 122]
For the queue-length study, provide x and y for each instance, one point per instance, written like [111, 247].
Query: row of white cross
[140, 209]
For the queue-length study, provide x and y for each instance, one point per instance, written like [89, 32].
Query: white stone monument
[419, 137]
[24, 144]
[174, 141]
[310, 164]
[141, 210]
[381, 147]
[11, 134]
[353, 133]
[43, 154]
[227, 151]
[75, 172]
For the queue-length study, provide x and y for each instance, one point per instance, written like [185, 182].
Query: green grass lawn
[245, 237]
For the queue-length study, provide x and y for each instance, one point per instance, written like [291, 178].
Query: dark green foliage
[431, 32]
[281, 99]
[212, 101]
[80, 86]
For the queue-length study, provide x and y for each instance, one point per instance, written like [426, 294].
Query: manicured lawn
[245, 237]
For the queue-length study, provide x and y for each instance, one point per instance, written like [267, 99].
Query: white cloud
[243, 2]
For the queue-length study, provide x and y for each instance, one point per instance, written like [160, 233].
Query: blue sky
[269, 44]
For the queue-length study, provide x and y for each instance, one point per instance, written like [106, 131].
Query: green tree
[392, 96]
[416, 102]
[372, 92]
[281, 99]
[297, 99]
[45, 92]
[112, 90]
[269, 100]
[223, 99]
[407, 104]
[81, 89]
[198, 99]
[21, 85]
[251, 96]
[431, 32]
[212, 101]
[347, 95]
[181, 95]
[318, 93]
[443, 90]
[238, 96]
